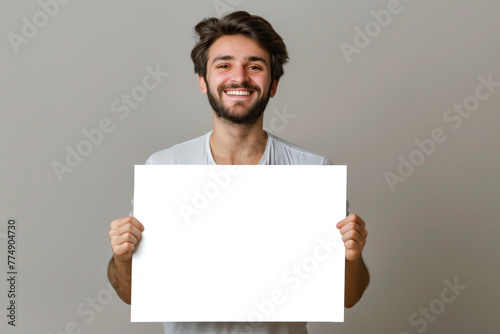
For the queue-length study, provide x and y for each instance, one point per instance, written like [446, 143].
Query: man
[239, 60]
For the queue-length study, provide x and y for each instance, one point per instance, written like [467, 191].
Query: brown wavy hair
[239, 23]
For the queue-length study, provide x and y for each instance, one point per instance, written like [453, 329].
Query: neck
[233, 144]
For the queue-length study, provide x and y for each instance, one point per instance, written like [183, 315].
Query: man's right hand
[125, 234]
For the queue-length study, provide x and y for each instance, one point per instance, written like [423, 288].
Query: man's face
[238, 80]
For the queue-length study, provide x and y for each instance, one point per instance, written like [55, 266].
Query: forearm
[120, 277]
[357, 278]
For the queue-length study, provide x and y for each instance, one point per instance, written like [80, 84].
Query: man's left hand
[354, 235]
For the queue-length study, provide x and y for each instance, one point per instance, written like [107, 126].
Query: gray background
[436, 225]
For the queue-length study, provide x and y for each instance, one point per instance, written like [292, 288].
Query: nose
[239, 75]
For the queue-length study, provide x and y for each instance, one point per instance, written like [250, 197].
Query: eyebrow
[251, 58]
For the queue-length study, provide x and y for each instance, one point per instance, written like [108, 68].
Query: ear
[274, 87]
[203, 84]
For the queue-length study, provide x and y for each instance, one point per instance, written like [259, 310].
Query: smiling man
[239, 60]
[246, 97]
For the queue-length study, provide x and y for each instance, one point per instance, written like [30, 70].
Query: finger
[354, 236]
[124, 250]
[128, 228]
[127, 220]
[351, 245]
[351, 218]
[354, 245]
[352, 226]
[352, 249]
[124, 238]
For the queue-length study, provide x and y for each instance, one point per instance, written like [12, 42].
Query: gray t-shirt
[197, 152]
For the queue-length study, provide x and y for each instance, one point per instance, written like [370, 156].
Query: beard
[250, 117]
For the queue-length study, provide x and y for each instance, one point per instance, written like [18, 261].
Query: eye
[223, 66]
[254, 67]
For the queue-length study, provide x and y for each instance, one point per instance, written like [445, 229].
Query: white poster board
[239, 243]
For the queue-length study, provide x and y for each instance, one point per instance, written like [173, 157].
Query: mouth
[238, 92]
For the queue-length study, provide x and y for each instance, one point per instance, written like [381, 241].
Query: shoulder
[188, 152]
[284, 152]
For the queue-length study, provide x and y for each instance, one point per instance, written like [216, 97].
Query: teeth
[238, 92]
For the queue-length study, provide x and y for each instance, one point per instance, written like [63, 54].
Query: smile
[238, 92]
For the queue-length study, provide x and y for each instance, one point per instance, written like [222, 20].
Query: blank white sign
[239, 243]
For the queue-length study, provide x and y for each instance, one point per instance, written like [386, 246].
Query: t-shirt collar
[211, 161]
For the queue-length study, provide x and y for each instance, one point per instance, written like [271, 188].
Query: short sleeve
[327, 161]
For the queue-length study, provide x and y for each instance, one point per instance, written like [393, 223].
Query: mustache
[236, 86]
